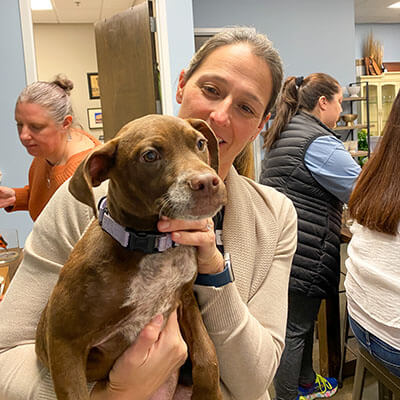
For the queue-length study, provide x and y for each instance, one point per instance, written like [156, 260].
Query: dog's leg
[205, 371]
[67, 367]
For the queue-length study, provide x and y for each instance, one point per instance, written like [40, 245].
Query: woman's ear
[181, 84]
[260, 126]
[323, 102]
[264, 121]
[67, 122]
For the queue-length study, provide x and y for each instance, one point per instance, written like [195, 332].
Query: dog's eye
[201, 144]
[150, 156]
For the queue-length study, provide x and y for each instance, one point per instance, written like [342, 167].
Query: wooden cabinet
[382, 92]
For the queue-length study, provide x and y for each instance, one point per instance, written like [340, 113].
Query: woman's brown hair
[299, 94]
[375, 201]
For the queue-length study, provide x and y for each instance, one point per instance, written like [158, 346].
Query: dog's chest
[153, 290]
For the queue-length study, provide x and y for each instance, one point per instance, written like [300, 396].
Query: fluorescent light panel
[41, 5]
[395, 5]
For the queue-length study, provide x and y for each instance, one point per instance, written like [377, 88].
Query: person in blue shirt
[309, 164]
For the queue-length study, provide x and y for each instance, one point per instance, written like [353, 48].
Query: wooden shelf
[358, 98]
[349, 128]
[360, 153]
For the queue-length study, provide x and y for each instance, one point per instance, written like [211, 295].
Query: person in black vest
[309, 164]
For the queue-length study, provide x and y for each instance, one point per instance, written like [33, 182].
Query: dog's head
[157, 165]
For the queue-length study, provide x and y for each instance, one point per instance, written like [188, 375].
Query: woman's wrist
[214, 265]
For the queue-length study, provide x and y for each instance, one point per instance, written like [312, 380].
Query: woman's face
[230, 90]
[37, 131]
[333, 109]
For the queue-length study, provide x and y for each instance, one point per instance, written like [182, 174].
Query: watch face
[228, 266]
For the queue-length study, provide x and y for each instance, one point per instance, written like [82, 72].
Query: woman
[373, 271]
[45, 126]
[232, 83]
[306, 161]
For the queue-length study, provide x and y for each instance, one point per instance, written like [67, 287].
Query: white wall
[14, 160]
[69, 49]
[311, 35]
[387, 34]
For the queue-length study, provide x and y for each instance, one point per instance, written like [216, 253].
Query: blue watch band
[221, 278]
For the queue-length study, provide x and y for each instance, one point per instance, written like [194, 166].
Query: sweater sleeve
[55, 232]
[249, 338]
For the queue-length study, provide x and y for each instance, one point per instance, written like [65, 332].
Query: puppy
[122, 272]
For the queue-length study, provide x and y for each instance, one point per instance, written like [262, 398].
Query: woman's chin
[32, 150]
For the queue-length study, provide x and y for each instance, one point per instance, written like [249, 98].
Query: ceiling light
[41, 5]
[395, 5]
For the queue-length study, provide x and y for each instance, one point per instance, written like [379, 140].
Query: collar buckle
[147, 242]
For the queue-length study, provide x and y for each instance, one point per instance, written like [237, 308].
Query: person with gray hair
[231, 83]
[46, 129]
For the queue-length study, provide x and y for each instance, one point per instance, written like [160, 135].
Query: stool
[346, 334]
[389, 384]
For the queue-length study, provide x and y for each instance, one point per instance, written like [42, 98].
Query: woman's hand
[198, 233]
[7, 197]
[146, 364]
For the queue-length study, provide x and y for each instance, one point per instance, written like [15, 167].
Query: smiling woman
[45, 125]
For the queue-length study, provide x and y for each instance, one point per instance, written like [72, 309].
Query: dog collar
[148, 242]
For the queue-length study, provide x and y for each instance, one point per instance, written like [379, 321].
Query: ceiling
[81, 11]
[376, 11]
[89, 11]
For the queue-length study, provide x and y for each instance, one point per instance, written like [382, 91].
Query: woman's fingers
[199, 233]
[171, 225]
[7, 196]
[140, 350]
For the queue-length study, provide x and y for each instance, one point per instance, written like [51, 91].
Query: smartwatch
[219, 279]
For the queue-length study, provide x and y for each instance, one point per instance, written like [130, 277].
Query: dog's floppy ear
[93, 170]
[212, 141]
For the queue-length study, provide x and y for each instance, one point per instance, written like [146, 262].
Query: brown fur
[106, 294]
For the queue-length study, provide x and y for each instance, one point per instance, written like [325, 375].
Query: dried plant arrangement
[373, 55]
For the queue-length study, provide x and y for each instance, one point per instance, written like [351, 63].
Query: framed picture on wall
[93, 83]
[95, 118]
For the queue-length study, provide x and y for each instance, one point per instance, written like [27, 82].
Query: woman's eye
[201, 144]
[210, 90]
[150, 156]
[246, 109]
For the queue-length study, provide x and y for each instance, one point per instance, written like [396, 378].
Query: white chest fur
[153, 289]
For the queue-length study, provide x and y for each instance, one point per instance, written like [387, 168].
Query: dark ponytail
[299, 94]
[286, 108]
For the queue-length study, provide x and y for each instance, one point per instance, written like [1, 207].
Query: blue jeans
[296, 366]
[386, 354]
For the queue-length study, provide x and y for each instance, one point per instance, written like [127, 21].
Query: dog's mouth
[171, 208]
[183, 202]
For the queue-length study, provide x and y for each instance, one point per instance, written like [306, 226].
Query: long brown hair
[263, 48]
[375, 201]
[299, 94]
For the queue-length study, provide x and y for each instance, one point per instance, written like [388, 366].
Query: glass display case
[382, 92]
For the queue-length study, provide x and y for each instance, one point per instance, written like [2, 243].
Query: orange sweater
[44, 180]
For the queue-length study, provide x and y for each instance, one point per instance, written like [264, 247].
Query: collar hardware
[146, 241]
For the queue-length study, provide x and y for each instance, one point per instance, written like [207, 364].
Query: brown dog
[106, 293]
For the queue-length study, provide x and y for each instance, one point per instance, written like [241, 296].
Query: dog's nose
[207, 183]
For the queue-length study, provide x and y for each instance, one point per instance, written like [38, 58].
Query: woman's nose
[221, 114]
[24, 133]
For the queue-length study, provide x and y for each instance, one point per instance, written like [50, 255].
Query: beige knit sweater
[246, 320]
